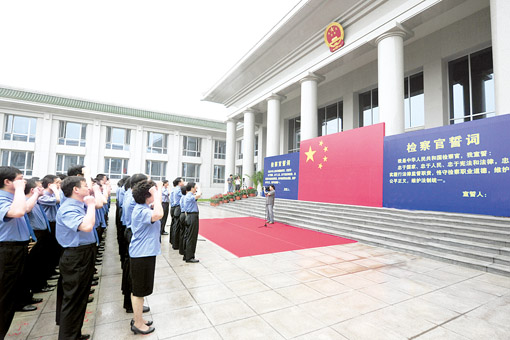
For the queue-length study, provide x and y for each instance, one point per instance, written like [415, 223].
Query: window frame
[217, 149]
[9, 128]
[196, 178]
[151, 148]
[29, 160]
[81, 160]
[124, 166]
[217, 178]
[360, 115]
[188, 152]
[63, 140]
[109, 143]
[149, 163]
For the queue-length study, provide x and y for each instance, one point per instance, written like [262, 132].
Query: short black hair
[70, 183]
[61, 176]
[177, 181]
[141, 190]
[190, 186]
[8, 172]
[272, 185]
[127, 183]
[100, 177]
[31, 183]
[137, 178]
[47, 180]
[165, 181]
[75, 170]
[183, 189]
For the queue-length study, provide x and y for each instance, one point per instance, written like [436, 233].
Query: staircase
[475, 241]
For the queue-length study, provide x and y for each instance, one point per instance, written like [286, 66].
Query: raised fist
[153, 191]
[19, 184]
[53, 187]
[89, 200]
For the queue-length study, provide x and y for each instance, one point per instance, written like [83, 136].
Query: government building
[44, 134]
[413, 65]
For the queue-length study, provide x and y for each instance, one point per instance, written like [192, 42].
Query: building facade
[44, 134]
[414, 65]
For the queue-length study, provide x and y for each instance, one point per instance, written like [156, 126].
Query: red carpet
[243, 236]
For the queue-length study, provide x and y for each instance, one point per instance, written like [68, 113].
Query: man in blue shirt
[49, 201]
[182, 221]
[14, 237]
[191, 209]
[118, 216]
[165, 201]
[74, 231]
[175, 228]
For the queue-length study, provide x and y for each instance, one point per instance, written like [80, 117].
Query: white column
[309, 106]
[248, 145]
[92, 152]
[230, 161]
[500, 31]
[390, 65]
[273, 125]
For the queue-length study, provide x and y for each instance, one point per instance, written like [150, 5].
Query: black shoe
[36, 300]
[94, 283]
[90, 299]
[46, 289]
[92, 290]
[164, 233]
[148, 323]
[50, 285]
[192, 261]
[95, 278]
[27, 308]
[138, 331]
[84, 337]
[54, 277]
[98, 263]
[146, 309]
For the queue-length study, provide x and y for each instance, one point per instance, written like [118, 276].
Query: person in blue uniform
[144, 247]
[74, 230]
[182, 221]
[118, 216]
[175, 227]
[191, 209]
[165, 201]
[127, 209]
[14, 238]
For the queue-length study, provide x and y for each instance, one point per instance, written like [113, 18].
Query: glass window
[117, 139]
[157, 142]
[191, 172]
[219, 174]
[155, 170]
[115, 167]
[294, 134]
[369, 108]
[220, 149]
[240, 149]
[330, 119]
[19, 128]
[239, 171]
[256, 146]
[65, 162]
[72, 134]
[191, 146]
[471, 87]
[23, 160]
[414, 103]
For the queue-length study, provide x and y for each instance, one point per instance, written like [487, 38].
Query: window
[23, 160]
[115, 167]
[414, 104]
[330, 119]
[117, 139]
[240, 149]
[220, 149]
[294, 134]
[156, 170]
[256, 146]
[219, 174]
[369, 108]
[65, 162]
[157, 142]
[191, 146]
[191, 172]
[239, 171]
[72, 133]
[471, 87]
[18, 128]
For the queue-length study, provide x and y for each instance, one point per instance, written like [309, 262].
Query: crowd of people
[54, 229]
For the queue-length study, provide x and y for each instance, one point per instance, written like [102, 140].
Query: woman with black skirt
[145, 246]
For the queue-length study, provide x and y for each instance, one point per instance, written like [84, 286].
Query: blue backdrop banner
[283, 172]
[456, 168]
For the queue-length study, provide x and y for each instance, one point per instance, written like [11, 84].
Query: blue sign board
[456, 168]
[283, 172]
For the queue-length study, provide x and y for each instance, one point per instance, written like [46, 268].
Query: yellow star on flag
[321, 143]
[320, 166]
[309, 154]
[325, 149]
[325, 159]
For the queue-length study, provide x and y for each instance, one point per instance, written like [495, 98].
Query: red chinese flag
[345, 167]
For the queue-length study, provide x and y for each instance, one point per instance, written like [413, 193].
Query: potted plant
[231, 197]
[237, 195]
[252, 192]
[258, 180]
[244, 193]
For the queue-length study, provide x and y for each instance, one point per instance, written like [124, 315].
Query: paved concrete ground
[350, 291]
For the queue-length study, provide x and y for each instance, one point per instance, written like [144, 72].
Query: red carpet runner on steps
[244, 236]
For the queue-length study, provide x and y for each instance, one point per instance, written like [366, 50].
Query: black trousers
[172, 210]
[165, 215]
[40, 267]
[175, 229]
[182, 240]
[12, 260]
[76, 270]
[120, 233]
[191, 236]
[126, 272]
[56, 248]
